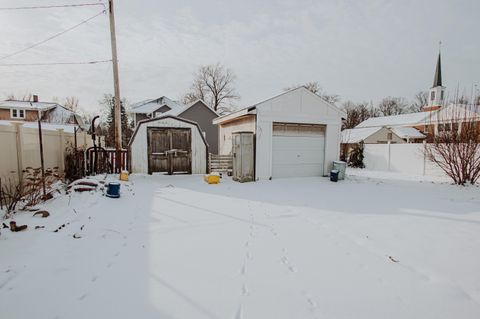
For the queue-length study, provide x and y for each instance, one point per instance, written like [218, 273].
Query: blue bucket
[113, 190]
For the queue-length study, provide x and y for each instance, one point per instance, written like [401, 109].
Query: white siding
[139, 147]
[246, 124]
[298, 106]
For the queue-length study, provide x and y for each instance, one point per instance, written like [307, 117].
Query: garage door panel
[280, 171]
[297, 151]
[292, 157]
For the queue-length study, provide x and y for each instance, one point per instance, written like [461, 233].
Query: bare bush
[455, 147]
[29, 191]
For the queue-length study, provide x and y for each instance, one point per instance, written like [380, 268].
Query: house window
[432, 96]
[389, 136]
[17, 114]
[441, 95]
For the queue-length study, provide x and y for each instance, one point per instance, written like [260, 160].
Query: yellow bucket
[124, 176]
[212, 179]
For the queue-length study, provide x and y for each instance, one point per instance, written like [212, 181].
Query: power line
[55, 6]
[56, 63]
[52, 37]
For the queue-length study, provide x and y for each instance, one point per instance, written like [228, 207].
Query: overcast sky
[361, 50]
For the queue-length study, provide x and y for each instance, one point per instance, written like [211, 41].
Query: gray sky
[360, 50]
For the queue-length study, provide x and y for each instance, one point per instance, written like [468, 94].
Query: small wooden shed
[168, 144]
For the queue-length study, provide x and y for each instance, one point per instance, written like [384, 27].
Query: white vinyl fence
[20, 147]
[401, 158]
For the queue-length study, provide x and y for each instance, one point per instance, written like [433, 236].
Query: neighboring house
[197, 111]
[414, 127]
[296, 133]
[28, 111]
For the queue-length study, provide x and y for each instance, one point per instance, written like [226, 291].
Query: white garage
[297, 134]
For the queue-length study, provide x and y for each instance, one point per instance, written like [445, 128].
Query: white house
[297, 133]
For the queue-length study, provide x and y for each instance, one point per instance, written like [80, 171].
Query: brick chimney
[35, 98]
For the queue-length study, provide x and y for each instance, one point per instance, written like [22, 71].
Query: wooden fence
[220, 163]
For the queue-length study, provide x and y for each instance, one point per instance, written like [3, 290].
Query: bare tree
[316, 88]
[392, 106]
[357, 113]
[214, 84]
[25, 97]
[71, 103]
[421, 100]
[456, 146]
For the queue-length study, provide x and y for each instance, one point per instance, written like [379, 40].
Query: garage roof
[251, 109]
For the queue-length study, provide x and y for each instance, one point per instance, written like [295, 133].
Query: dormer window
[17, 114]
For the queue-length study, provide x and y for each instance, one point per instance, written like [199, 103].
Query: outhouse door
[169, 150]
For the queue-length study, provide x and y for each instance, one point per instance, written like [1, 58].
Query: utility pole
[116, 85]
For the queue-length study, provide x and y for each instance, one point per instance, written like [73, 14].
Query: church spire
[436, 96]
[437, 80]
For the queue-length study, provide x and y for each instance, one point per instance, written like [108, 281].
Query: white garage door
[298, 150]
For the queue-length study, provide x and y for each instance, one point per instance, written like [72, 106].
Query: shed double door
[169, 150]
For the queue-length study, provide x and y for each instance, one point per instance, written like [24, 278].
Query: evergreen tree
[109, 113]
[356, 156]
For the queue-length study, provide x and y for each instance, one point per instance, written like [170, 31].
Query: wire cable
[56, 63]
[52, 37]
[55, 6]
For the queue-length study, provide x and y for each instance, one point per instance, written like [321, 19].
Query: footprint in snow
[82, 297]
[238, 314]
[245, 291]
[94, 278]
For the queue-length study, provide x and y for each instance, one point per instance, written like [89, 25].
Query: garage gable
[299, 102]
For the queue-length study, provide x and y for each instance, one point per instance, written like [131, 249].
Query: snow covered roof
[396, 120]
[151, 105]
[178, 111]
[356, 135]
[407, 132]
[27, 105]
[67, 128]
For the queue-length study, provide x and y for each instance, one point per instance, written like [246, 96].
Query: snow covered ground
[175, 247]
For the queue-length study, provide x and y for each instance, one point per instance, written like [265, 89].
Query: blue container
[334, 175]
[113, 190]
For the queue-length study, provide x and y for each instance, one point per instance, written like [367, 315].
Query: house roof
[407, 132]
[357, 135]
[396, 120]
[178, 111]
[250, 109]
[28, 105]
[151, 105]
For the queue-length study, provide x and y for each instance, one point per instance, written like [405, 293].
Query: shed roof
[140, 123]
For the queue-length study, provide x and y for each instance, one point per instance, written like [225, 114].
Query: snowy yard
[175, 247]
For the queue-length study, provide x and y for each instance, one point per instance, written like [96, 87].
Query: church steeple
[437, 80]
[436, 96]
